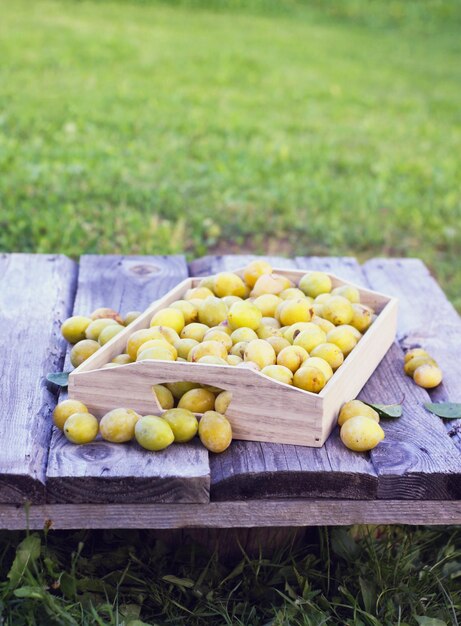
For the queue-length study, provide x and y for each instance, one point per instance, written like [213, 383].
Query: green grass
[289, 127]
[357, 577]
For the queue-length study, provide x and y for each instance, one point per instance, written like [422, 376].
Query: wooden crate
[261, 409]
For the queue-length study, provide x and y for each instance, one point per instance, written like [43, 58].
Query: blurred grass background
[289, 127]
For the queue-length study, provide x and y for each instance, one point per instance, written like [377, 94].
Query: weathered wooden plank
[416, 460]
[263, 470]
[36, 294]
[246, 514]
[427, 319]
[104, 472]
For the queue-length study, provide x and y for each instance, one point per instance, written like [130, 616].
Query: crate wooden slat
[264, 470]
[288, 513]
[36, 294]
[105, 472]
[427, 319]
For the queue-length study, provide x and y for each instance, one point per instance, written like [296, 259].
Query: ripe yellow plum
[108, 333]
[270, 283]
[233, 359]
[362, 317]
[278, 372]
[243, 334]
[73, 328]
[315, 283]
[293, 293]
[81, 428]
[215, 431]
[321, 364]
[244, 315]
[228, 284]
[292, 331]
[310, 338]
[82, 351]
[212, 312]
[294, 310]
[222, 401]
[153, 433]
[264, 332]
[157, 343]
[278, 343]
[183, 423]
[158, 353]
[65, 409]
[343, 338]
[207, 348]
[198, 293]
[94, 329]
[230, 300]
[164, 396]
[330, 353]
[267, 304]
[122, 359]
[131, 316]
[338, 310]
[361, 433]
[184, 346]
[117, 426]
[172, 318]
[180, 388]
[309, 379]
[356, 407]
[428, 375]
[216, 334]
[347, 291]
[194, 331]
[189, 311]
[411, 365]
[260, 352]
[254, 270]
[239, 348]
[292, 357]
[197, 400]
[212, 360]
[164, 332]
[325, 325]
[106, 313]
[415, 352]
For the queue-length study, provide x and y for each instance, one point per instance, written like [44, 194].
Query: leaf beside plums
[58, 378]
[447, 410]
[387, 410]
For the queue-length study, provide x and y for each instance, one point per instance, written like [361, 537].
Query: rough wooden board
[104, 472]
[427, 319]
[36, 294]
[263, 470]
[248, 514]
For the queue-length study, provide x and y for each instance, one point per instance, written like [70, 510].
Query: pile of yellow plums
[359, 426]
[422, 368]
[150, 431]
[296, 334]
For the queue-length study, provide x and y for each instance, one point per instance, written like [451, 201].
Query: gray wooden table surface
[413, 476]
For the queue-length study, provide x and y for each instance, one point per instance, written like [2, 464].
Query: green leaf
[447, 410]
[368, 590]
[429, 621]
[386, 410]
[58, 378]
[27, 553]
[29, 591]
[179, 582]
[343, 544]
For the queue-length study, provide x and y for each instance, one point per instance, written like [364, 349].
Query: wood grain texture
[428, 320]
[36, 294]
[104, 472]
[265, 470]
[417, 460]
[247, 514]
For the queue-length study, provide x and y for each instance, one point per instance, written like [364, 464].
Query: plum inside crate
[261, 409]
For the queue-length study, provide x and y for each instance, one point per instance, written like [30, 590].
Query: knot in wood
[144, 269]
